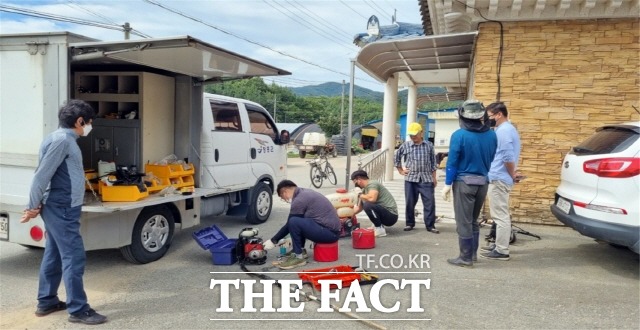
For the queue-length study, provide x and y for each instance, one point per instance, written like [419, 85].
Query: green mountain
[332, 89]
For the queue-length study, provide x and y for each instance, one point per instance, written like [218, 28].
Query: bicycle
[318, 173]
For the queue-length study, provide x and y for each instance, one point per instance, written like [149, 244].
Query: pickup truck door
[266, 156]
[226, 150]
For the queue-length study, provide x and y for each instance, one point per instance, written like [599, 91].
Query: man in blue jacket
[471, 151]
[57, 194]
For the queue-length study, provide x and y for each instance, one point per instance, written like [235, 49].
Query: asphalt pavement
[563, 280]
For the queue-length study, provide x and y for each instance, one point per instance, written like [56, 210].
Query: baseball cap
[472, 109]
[359, 173]
[414, 128]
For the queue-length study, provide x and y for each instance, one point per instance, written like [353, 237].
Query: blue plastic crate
[223, 249]
[209, 236]
[224, 253]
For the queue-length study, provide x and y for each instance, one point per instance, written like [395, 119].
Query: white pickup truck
[150, 102]
[315, 143]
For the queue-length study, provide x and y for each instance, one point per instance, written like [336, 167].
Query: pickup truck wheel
[151, 237]
[261, 203]
[302, 153]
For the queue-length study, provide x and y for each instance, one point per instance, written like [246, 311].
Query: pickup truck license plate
[4, 227]
[564, 205]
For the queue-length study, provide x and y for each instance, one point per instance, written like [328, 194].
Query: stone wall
[559, 80]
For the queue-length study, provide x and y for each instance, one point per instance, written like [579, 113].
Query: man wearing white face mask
[57, 193]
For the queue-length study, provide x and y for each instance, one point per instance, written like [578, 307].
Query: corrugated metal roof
[423, 61]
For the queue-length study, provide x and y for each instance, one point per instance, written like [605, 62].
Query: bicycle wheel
[316, 177]
[331, 174]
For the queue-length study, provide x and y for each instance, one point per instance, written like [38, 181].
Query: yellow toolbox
[177, 175]
[155, 184]
[130, 193]
[91, 177]
[170, 170]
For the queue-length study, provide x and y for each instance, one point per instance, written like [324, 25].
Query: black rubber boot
[476, 244]
[465, 257]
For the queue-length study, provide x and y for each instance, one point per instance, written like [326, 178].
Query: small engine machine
[250, 247]
[347, 225]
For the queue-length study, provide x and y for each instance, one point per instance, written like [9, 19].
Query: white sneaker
[380, 231]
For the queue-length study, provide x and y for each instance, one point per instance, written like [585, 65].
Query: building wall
[559, 80]
[445, 124]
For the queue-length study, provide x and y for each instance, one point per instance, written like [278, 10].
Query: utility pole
[347, 141]
[275, 110]
[127, 30]
[342, 109]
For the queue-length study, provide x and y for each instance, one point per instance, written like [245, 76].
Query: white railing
[374, 164]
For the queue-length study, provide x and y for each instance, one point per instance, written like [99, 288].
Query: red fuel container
[325, 252]
[363, 238]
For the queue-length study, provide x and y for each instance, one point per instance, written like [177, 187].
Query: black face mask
[492, 123]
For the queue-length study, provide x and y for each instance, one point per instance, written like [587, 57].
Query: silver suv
[599, 192]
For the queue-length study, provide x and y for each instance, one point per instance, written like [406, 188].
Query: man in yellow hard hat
[416, 160]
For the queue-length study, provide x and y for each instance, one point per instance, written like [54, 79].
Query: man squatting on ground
[312, 216]
[471, 150]
[420, 177]
[57, 194]
[376, 201]
[502, 176]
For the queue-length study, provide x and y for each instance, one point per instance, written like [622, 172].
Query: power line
[381, 13]
[326, 23]
[138, 32]
[33, 13]
[307, 24]
[78, 6]
[355, 11]
[243, 38]
[75, 4]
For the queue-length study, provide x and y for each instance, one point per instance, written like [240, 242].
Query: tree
[323, 110]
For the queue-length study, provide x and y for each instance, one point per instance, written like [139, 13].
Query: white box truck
[149, 98]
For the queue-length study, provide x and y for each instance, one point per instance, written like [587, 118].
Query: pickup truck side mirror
[284, 136]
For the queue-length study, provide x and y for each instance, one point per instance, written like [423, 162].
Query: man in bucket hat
[471, 151]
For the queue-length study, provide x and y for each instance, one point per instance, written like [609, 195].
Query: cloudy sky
[310, 38]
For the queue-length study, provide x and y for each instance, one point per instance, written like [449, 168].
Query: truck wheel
[151, 237]
[334, 152]
[302, 153]
[260, 205]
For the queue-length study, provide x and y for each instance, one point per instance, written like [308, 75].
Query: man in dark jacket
[312, 217]
[471, 151]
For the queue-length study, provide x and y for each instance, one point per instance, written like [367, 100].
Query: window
[607, 140]
[226, 116]
[261, 123]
